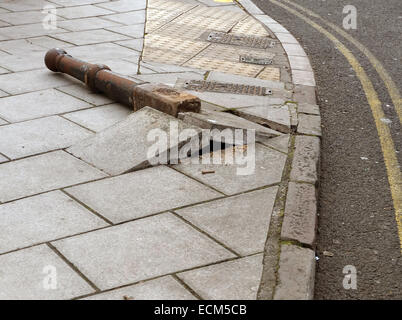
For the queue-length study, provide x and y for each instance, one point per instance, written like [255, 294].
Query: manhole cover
[222, 87]
[239, 40]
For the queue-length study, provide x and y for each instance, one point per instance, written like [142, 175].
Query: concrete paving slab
[169, 79]
[86, 24]
[132, 31]
[27, 31]
[28, 17]
[309, 124]
[28, 81]
[280, 143]
[43, 218]
[29, 61]
[25, 5]
[113, 257]
[128, 18]
[233, 280]
[135, 44]
[3, 159]
[124, 5]
[38, 104]
[82, 12]
[164, 288]
[125, 146]
[141, 193]
[240, 222]
[90, 37]
[82, 92]
[226, 179]
[71, 3]
[305, 159]
[31, 137]
[275, 117]
[42, 173]
[96, 53]
[99, 118]
[28, 276]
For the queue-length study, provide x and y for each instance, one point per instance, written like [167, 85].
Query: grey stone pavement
[86, 214]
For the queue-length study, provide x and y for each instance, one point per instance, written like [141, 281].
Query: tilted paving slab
[42, 173]
[42, 218]
[295, 274]
[309, 124]
[280, 143]
[168, 78]
[256, 171]
[31, 137]
[125, 146]
[99, 118]
[25, 272]
[240, 222]
[208, 119]
[140, 250]
[164, 288]
[275, 117]
[141, 193]
[233, 280]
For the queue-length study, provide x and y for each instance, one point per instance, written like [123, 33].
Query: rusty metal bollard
[99, 78]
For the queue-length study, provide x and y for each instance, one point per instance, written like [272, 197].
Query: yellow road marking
[387, 144]
[385, 77]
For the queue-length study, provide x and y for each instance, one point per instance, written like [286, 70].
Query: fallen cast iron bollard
[99, 78]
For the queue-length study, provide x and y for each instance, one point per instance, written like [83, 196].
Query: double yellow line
[387, 144]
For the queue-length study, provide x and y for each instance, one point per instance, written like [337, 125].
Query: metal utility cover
[254, 60]
[222, 87]
[240, 40]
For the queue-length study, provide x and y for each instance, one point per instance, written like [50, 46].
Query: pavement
[87, 211]
[357, 212]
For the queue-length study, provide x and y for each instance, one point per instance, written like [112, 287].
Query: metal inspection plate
[221, 87]
[240, 40]
[255, 60]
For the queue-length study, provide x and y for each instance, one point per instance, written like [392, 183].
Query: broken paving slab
[209, 119]
[125, 147]
[275, 117]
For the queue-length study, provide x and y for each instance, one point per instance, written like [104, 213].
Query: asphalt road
[357, 219]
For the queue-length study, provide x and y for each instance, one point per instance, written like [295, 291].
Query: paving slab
[28, 81]
[43, 218]
[113, 257]
[208, 119]
[257, 173]
[135, 44]
[71, 3]
[126, 67]
[29, 61]
[27, 31]
[308, 108]
[233, 280]
[18, 18]
[275, 117]
[280, 143]
[19, 47]
[27, 271]
[82, 12]
[300, 220]
[295, 274]
[82, 92]
[124, 5]
[90, 37]
[38, 104]
[128, 18]
[99, 118]
[126, 145]
[42, 173]
[141, 193]
[86, 24]
[305, 159]
[96, 53]
[49, 43]
[25, 5]
[133, 31]
[3, 159]
[164, 288]
[240, 222]
[3, 94]
[169, 79]
[31, 137]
